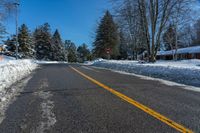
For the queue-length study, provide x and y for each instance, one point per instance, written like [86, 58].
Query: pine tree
[107, 38]
[25, 42]
[83, 53]
[42, 40]
[57, 47]
[71, 51]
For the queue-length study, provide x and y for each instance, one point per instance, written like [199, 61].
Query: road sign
[108, 50]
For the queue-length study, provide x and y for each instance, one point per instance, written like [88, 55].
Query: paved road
[58, 99]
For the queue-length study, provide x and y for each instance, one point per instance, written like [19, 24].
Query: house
[182, 53]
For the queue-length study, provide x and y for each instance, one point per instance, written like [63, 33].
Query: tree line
[139, 26]
[41, 44]
[135, 27]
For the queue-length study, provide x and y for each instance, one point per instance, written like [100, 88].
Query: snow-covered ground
[185, 71]
[11, 71]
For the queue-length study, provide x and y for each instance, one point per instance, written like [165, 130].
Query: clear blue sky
[75, 19]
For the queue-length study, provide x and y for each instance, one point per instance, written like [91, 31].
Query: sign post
[108, 53]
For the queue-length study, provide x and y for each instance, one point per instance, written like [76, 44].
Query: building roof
[188, 50]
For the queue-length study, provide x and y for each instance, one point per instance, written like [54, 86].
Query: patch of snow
[47, 105]
[94, 61]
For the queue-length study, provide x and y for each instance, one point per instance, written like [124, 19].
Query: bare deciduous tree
[7, 8]
[128, 19]
[179, 18]
[151, 18]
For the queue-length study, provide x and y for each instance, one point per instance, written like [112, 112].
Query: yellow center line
[144, 108]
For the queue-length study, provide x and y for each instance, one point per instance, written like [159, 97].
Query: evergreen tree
[71, 51]
[42, 38]
[57, 47]
[83, 53]
[25, 42]
[107, 38]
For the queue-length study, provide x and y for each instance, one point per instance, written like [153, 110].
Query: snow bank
[94, 61]
[12, 71]
[185, 71]
[50, 62]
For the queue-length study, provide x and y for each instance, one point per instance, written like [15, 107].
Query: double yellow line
[144, 108]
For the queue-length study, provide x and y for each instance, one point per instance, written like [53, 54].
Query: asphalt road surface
[67, 98]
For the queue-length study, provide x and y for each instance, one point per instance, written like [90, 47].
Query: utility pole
[16, 21]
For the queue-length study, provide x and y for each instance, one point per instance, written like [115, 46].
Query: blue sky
[75, 19]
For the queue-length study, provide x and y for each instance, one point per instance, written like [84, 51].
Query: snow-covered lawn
[11, 71]
[185, 71]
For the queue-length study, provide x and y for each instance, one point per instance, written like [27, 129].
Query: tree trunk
[176, 43]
